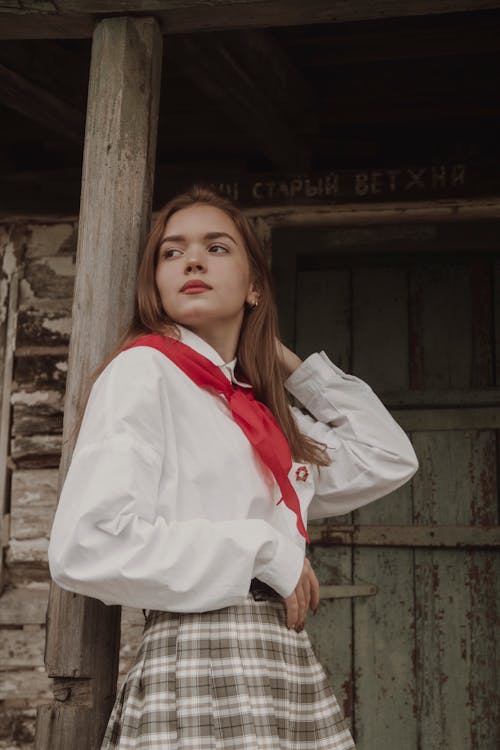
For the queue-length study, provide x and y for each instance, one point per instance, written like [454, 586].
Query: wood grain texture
[36, 451]
[40, 105]
[9, 292]
[22, 648]
[323, 315]
[456, 618]
[394, 535]
[423, 328]
[72, 18]
[118, 164]
[33, 502]
[46, 291]
[383, 624]
[29, 684]
[323, 321]
[132, 626]
[261, 112]
[496, 321]
[465, 418]
[455, 595]
[24, 605]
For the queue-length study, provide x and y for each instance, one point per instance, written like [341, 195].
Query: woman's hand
[306, 594]
[289, 360]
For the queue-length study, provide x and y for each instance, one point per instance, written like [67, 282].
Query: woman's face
[203, 273]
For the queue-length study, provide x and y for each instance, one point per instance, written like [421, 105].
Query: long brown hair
[257, 353]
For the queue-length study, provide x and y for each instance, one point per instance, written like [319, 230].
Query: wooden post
[117, 183]
[7, 349]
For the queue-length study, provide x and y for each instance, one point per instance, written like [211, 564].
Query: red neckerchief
[255, 419]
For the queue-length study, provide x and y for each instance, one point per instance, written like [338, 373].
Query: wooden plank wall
[46, 256]
[416, 665]
[323, 296]
[384, 638]
[452, 337]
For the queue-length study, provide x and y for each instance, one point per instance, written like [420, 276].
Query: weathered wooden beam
[406, 536]
[45, 82]
[117, 183]
[469, 35]
[439, 397]
[395, 185]
[7, 348]
[225, 67]
[40, 105]
[72, 18]
[458, 210]
[23, 605]
[347, 591]
[264, 58]
[41, 351]
[459, 418]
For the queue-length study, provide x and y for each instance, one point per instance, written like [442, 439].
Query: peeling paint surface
[9, 259]
[35, 397]
[58, 325]
[422, 666]
[50, 239]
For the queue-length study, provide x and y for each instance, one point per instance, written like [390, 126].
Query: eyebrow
[207, 236]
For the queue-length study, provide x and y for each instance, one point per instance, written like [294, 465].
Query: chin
[191, 318]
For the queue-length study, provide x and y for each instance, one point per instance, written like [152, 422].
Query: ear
[253, 293]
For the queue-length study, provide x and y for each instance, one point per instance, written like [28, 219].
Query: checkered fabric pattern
[230, 679]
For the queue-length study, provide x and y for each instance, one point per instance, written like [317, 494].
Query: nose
[194, 261]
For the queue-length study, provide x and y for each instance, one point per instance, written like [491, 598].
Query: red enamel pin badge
[301, 474]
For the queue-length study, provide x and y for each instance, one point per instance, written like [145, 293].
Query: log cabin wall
[38, 259]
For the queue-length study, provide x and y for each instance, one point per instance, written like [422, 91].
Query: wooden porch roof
[285, 88]
[64, 19]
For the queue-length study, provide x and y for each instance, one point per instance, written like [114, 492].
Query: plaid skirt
[231, 679]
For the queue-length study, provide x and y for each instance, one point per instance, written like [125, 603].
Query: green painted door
[414, 311]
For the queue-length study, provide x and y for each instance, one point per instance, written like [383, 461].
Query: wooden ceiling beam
[399, 114]
[40, 105]
[278, 77]
[250, 79]
[61, 67]
[468, 36]
[43, 19]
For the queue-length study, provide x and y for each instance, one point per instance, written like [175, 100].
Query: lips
[192, 286]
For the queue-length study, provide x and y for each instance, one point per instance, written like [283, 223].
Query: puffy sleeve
[108, 539]
[370, 453]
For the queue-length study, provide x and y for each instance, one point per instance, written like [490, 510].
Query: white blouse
[166, 505]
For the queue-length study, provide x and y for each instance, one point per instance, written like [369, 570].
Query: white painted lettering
[392, 174]
[257, 191]
[361, 183]
[332, 184]
[376, 183]
[457, 175]
[415, 179]
[438, 177]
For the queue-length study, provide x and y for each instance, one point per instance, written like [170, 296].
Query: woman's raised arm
[371, 455]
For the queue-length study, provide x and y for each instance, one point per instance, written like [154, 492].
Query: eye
[215, 248]
[170, 252]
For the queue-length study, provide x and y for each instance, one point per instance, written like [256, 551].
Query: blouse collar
[202, 347]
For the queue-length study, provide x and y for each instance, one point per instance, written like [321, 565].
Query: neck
[223, 340]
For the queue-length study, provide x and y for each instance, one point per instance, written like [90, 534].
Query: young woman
[189, 489]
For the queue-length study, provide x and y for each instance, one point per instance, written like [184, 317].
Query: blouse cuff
[283, 572]
[315, 372]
